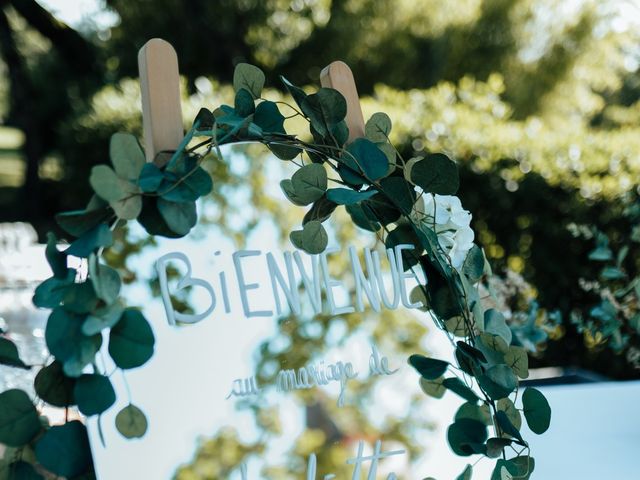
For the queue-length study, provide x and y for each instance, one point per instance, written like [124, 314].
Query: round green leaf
[131, 340]
[179, 217]
[68, 344]
[150, 178]
[309, 183]
[496, 446]
[22, 471]
[313, 238]
[106, 183]
[244, 103]
[513, 414]
[9, 354]
[126, 155]
[466, 474]
[131, 422]
[433, 388]
[506, 426]
[106, 281]
[19, 421]
[378, 127]
[94, 394]
[429, 368]
[54, 387]
[495, 324]
[465, 436]
[269, 118]
[64, 450]
[347, 196]
[436, 174]
[458, 387]
[473, 266]
[325, 108]
[498, 381]
[518, 360]
[364, 157]
[471, 410]
[103, 317]
[536, 410]
[248, 77]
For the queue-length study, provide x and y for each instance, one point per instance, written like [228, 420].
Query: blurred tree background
[537, 100]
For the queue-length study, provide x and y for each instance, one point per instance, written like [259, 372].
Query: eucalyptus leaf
[99, 236]
[80, 298]
[518, 360]
[364, 157]
[309, 183]
[496, 446]
[131, 422]
[54, 387]
[436, 174]
[473, 266]
[378, 127]
[473, 411]
[102, 318]
[361, 219]
[179, 217]
[433, 388]
[324, 109]
[429, 368]
[347, 196]
[314, 238]
[465, 435]
[248, 77]
[244, 103]
[150, 178]
[106, 183]
[495, 323]
[94, 394]
[78, 222]
[498, 381]
[56, 259]
[194, 184]
[502, 420]
[466, 474]
[126, 156]
[536, 409]
[459, 388]
[64, 450]
[21, 470]
[320, 211]
[401, 192]
[51, 292]
[19, 422]
[131, 340]
[509, 408]
[9, 354]
[106, 281]
[268, 117]
[68, 344]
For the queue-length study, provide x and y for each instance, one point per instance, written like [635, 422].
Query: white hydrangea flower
[452, 224]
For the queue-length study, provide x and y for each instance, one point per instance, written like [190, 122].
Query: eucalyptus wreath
[400, 201]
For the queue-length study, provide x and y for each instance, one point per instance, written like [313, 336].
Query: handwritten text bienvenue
[314, 278]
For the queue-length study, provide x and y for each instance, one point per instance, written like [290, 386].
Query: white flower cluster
[451, 222]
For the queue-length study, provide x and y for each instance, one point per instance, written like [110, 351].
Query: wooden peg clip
[338, 75]
[160, 87]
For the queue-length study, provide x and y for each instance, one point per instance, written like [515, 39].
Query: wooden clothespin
[160, 87]
[338, 75]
